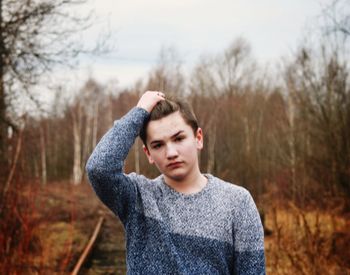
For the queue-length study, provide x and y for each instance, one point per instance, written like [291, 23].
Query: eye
[179, 138]
[157, 146]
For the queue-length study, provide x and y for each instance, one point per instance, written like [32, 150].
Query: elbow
[91, 167]
[95, 174]
[99, 167]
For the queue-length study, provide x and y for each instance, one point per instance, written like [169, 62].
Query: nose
[171, 152]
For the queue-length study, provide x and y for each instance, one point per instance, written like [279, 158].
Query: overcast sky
[140, 28]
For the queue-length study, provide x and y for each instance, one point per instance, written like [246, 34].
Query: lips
[174, 164]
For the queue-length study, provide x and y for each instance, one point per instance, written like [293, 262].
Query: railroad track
[105, 251]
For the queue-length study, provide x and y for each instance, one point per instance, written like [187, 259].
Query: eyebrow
[173, 136]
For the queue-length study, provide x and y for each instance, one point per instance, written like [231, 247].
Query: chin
[176, 176]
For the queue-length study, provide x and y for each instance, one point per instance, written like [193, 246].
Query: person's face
[172, 146]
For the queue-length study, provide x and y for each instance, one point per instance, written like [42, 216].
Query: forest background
[283, 133]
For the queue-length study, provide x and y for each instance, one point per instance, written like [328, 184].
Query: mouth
[174, 164]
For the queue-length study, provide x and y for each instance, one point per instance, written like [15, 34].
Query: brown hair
[167, 107]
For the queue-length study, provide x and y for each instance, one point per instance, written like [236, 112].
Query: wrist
[146, 108]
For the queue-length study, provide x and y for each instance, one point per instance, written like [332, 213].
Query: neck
[192, 183]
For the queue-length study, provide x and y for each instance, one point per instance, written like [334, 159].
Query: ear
[145, 149]
[199, 138]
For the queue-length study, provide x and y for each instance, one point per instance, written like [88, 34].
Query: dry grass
[47, 228]
[307, 242]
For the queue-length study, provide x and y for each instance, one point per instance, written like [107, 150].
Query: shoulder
[227, 187]
[234, 194]
[240, 201]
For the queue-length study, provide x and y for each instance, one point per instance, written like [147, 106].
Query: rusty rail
[88, 247]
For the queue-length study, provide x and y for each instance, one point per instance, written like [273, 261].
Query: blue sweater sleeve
[105, 165]
[248, 238]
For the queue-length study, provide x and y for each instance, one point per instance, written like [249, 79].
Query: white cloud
[141, 28]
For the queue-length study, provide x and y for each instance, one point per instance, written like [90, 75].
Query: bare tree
[77, 119]
[43, 155]
[84, 117]
[236, 68]
[167, 75]
[228, 86]
[337, 16]
[35, 35]
[319, 85]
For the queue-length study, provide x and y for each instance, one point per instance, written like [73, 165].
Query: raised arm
[105, 165]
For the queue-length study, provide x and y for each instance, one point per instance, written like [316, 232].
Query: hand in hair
[149, 99]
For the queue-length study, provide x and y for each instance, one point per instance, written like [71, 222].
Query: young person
[183, 221]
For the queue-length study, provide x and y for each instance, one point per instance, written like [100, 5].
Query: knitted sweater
[214, 231]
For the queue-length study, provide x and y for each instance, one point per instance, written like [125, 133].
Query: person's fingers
[161, 94]
[149, 99]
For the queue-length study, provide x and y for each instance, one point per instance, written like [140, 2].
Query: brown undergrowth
[44, 228]
[307, 241]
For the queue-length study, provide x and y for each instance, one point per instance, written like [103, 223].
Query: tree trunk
[77, 172]
[247, 137]
[259, 161]
[3, 124]
[43, 156]
[110, 116]
[15, 160]
[292, 145]
[211, 148]
[95, 126]
[87, 141]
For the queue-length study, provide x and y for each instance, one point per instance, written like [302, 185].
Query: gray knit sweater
[215, 231]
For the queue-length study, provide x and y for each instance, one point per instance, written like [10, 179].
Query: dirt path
[108, 257]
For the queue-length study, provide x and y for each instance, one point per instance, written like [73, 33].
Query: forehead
[166, 127]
